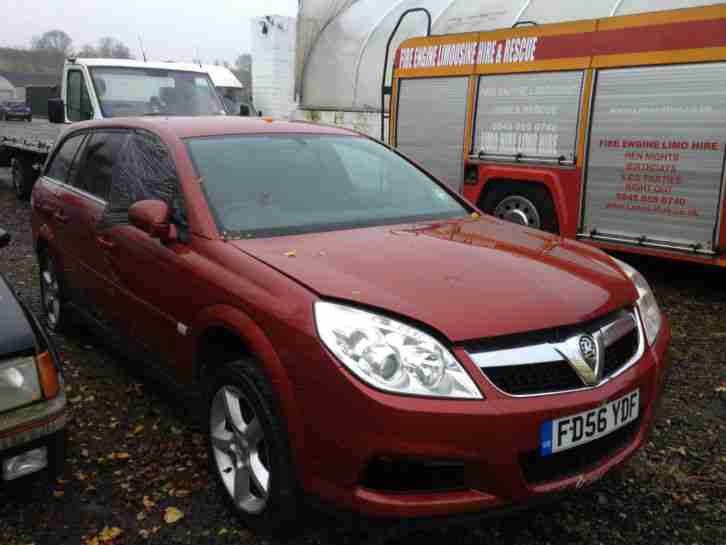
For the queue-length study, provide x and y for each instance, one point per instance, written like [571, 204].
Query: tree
[53, 40]
[107, 48]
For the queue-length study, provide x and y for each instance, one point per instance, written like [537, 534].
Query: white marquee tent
[341, 43]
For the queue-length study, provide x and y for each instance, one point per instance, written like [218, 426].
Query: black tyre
[522, 203]
[249, 453]
[52, 296]
[22, 176]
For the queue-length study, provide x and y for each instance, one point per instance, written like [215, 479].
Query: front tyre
[22, 177]
[249, 452]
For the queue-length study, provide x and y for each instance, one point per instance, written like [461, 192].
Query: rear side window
[99, 162]
[60, 167]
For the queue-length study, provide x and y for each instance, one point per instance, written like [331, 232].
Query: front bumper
[494, 440]
[38, 425]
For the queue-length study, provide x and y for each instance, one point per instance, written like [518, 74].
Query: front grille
[410, 476]
[537, 378]
[620, 352]
[539, 469]
[537, 362]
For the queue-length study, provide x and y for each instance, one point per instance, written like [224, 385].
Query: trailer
[105, 88]
[611, 131]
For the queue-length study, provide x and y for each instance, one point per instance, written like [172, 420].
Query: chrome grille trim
[544, 353]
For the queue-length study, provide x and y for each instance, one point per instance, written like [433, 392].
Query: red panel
[564, 186]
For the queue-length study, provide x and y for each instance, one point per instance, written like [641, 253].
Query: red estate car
[358, 332]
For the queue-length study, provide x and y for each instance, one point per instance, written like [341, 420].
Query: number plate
[578, 429]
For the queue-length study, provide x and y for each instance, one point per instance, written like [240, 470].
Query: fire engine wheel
[522, 203]
[519, 210]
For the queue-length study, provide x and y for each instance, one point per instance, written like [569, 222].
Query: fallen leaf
[119, 456]
[109, 534]
[140, 515]
[291, 253]
[172, 515]
[76, 399]
[58, 493]
[138, 429]
[181, 493]
[148, 504]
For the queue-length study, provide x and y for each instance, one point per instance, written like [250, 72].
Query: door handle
[105, 243]
[60, 216]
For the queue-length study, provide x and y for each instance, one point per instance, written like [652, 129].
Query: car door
[158, 288]
[82, 205]
[48, 214]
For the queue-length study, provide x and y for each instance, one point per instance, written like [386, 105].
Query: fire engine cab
[611, 130]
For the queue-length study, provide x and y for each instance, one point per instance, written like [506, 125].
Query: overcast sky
[170, 29]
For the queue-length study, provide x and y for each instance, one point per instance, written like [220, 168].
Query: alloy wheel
[239, 449]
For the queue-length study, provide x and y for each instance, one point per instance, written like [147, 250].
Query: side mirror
[152, 217]
[4, 238]
[244, 110]
[56, 110]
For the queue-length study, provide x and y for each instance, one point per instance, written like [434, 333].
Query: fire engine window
[528, 115]
[60, 167]
[144, 169]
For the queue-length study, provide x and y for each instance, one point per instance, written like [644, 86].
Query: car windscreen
[284, 184]
[124, 92]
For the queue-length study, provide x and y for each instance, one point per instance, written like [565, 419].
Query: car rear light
[48, 375]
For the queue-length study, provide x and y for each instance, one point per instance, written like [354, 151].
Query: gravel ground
[133, 454]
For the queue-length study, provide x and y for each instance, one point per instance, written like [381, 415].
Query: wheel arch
[226, 331]
[547, 180]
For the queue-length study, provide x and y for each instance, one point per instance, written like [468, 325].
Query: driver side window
[78, 105]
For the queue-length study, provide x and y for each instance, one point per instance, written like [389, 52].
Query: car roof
[189, 127]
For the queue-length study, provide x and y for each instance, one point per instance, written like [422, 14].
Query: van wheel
[51, 293]
[522, 203]
[249, 453]
[22, 178]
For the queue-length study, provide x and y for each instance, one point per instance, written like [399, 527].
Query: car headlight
[19, 384]
[390, 355]
[647, 305]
